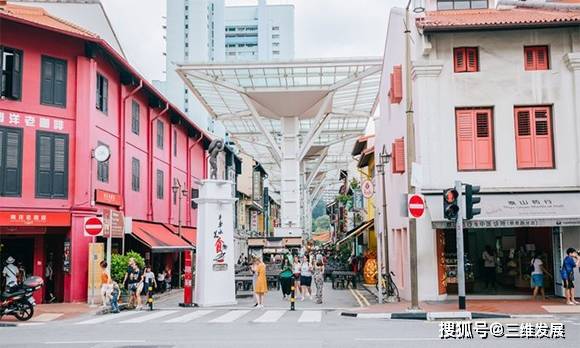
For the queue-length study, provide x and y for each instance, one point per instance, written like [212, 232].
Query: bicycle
[389, 288]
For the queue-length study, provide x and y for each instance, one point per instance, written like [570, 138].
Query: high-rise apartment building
[207, 30]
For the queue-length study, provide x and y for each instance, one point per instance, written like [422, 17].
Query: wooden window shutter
[397, 84]
[524, 139]
[10, 161]
[16, 91]
[465, 140]
[46, 86]
[472, 59]
[43, 165]
[391, 88]
[60, 82]
[459, 62]
[529, 60]
[542, 61]
[483, 140]
[398, 153]
[543, 146]
[536, 58]
[60, 166]
[105, 95]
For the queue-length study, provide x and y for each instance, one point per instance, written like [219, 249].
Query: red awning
[158, 237]
[187, 233]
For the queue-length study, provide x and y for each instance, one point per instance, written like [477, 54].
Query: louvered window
[398, 156]
[474, 129]
[396, 90]
[51, 165]
[135, 174]
[534, 139]
[536, 58]
[160, 184]
[11, 77]
[10, 162]
[465, 59]
[102, 93]
[53, 81]
[160, 134]
[135, 117]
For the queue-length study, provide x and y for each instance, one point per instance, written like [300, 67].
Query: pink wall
[86, 126]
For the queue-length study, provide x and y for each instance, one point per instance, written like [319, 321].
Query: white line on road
[310, 317]
[105, 317]
[270, 317]
[398, 339]
[96, 342]
[46, 317]
[189, 317]
[360, 304]
[144, 318]
[230, 316]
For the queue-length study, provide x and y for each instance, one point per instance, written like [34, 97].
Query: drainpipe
[150, 161]
[122, 147]
[170, 175]
[188, 171]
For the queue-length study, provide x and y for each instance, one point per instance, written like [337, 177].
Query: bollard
[150, 297]
[292, 299]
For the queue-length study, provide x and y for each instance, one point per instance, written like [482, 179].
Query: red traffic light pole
[460, 251]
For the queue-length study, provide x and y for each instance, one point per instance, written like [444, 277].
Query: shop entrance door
[557, 252]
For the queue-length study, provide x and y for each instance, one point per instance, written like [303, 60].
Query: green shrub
[119, 265]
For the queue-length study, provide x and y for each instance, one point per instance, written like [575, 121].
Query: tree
[323, 223]
[319, 210]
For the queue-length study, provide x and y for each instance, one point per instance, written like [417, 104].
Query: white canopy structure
[299, 119]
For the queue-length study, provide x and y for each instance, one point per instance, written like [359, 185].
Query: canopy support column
[290, 173]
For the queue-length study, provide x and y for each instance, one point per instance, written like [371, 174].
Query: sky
[322, 28]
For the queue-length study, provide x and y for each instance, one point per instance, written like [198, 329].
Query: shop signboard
[368, 188]
[254, 221]
[34, 218]
[117, 224]
[257, 186]
[358, 201]
[108, 198]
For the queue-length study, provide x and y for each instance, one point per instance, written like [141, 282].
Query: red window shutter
[543, 137]
[391, 89]
[397, 83]
[459, 60]
[483, 140]
[472, 59]
[465, 140]
[529, 60]
[524, 139]
[398, 153]
[542, 58]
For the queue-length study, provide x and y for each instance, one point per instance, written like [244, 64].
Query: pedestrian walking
[132, 280]
[296, 272]
[567, 273]
[306, 277]
[49, 280]
[105, 282]
[161, 281]
[286, 277]
[319, 280]
[114, 297]
[254, 270]
[261, 283]
[488, 257]
[10, 273]
[538, 272]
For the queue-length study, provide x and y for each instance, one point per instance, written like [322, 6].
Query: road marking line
[148, 317]
[270, 317]
[230, 316]
[189, 317]
[90, 342]
[362, 297]
[356, 298]
[46, 317]
[310, 317]
[105, 317]
[398, 339]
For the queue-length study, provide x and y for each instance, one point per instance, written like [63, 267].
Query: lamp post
[411, 154]
[177, 190]
[382, 238]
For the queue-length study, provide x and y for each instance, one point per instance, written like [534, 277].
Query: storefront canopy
[158, 237]
[356, 231]
[508, 210]
[187, 233]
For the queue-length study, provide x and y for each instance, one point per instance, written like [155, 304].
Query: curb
[431, 316]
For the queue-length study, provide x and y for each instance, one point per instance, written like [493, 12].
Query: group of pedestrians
[304, 272]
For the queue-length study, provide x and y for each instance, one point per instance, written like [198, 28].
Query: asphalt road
[243, 326]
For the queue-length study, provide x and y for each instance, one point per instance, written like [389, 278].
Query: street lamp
[383, 238]
[179, 192]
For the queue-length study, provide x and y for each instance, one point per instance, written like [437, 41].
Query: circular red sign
[93, 226]
[416, 206]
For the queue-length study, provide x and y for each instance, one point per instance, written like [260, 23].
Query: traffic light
[471, 200]
[450, 204]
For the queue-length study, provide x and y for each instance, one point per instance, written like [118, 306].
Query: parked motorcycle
[19, 301]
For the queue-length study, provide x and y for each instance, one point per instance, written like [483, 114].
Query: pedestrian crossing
[207, 316]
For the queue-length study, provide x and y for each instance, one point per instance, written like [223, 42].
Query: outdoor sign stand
[187, 281]
[214, 276]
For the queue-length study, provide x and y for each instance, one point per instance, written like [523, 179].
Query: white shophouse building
[497, 104]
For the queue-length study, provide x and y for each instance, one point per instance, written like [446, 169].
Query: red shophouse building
[64, 92]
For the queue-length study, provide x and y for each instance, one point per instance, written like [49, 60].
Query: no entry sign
[93, 227]
[416, 204]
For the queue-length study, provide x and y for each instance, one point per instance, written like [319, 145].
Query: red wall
[87, 126]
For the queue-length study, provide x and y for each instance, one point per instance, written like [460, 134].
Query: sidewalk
[52, 311]
[492, 307]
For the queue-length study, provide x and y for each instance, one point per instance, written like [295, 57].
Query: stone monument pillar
[214, 277]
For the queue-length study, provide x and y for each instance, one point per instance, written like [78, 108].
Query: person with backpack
[537, 271]
[567, 273]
